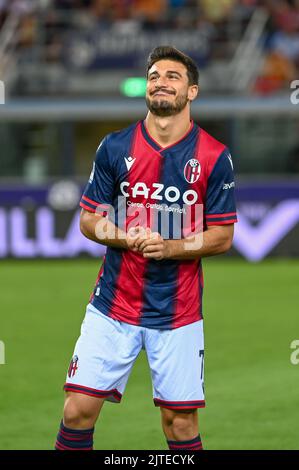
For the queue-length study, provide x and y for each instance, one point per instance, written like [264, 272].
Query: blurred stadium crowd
[218, 21]
[84, 50]
[64, 65]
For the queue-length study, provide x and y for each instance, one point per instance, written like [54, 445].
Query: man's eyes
[172, 76]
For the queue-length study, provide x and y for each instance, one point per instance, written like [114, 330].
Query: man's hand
[149, 244]
[216, 240]
[134, 234]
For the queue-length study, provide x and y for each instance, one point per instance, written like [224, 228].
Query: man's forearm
[209, 243]
[215, 240]
[101, 230]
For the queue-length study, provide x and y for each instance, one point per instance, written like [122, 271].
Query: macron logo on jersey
[129, 162]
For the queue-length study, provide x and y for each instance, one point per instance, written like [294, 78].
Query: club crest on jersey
[73, 366]
[192, 170]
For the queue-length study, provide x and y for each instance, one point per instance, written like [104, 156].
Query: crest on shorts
[192, 170]
[73, 366]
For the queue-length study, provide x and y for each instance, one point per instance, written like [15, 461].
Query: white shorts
[107, 349]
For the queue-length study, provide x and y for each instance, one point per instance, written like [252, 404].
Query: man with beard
[148, 294]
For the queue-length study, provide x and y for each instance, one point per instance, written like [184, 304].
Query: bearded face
[163, 107]
[168, 89]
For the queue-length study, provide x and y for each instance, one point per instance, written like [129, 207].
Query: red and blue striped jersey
[130, 165]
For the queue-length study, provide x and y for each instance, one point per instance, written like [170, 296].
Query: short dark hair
[171, 53]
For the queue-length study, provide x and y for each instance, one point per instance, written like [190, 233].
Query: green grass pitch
[251, 318]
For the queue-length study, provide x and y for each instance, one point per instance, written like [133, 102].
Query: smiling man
[158, 98]
[148, 294]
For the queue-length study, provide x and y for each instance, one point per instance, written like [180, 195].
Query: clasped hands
[150, 244]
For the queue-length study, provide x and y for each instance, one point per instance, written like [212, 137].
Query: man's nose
[161, 81]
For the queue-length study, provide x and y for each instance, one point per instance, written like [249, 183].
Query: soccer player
[160, 172]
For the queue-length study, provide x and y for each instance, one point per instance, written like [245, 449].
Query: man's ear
[193, 92]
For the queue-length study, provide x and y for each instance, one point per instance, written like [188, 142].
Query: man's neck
[167, 130]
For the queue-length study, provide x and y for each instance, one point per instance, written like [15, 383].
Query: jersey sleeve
[220, 208]
[98, 194]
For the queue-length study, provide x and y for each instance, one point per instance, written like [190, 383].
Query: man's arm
[99, 229]
[215, 240]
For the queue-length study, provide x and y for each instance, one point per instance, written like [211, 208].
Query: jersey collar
[183, 140]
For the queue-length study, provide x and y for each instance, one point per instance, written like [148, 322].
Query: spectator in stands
[151, 14]
[277, 73]
[286, 40]
[217, 11]
[281, 64]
